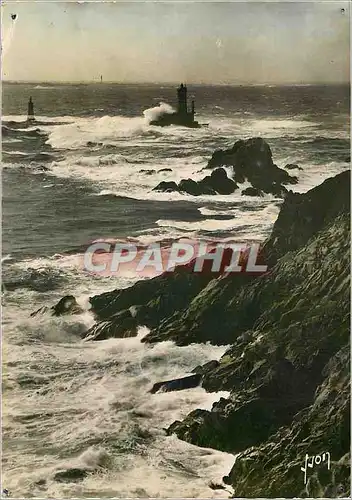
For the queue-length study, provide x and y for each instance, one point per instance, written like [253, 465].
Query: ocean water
[79, 178]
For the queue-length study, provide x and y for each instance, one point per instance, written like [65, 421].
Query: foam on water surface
[87, 405]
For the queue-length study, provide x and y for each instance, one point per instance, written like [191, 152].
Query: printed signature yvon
[315, 460]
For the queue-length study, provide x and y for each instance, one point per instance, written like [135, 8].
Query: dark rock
[293, 166]
[70, 475]
[288, 367]
[178, 384]
[165, 170]
[43, 168]
[216, 183]
[275, 189]
[40, 482]
[175, 309]
[203, 369]
[67, 305]
[274, 467]
[303, 215]
[348, 159]
[176, 118]
[251, 191]
[158, 297]
[219, 182]
[166, 186]
[232, 426]
[138, 312]
[41, 310]
[120, 325]
[189, 186]
[147, 172]
[216, 486]
[251, 160]
[254, 153]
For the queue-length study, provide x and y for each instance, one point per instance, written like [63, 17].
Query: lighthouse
[30, 114]
[182, 100]
[182, 116]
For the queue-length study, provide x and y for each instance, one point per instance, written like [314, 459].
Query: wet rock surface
[116, 327]
[252, 161]
[67, 305]
[230, 303]
[71, 475]
[293, 166]
[177, 384]
[287, 369]
[216, 183]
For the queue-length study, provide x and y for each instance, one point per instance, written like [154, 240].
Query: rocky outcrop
[274, 369]
[216, 183]
[147, 171]
[177, 384]
[293, 166]
[159, 298]
[71, 475]
[287, 369]
[120, 325]
[166, 186]
[301, 217]
[251, 191]
[67, 305]
[252, 161]
[148, 301]
[275, 466]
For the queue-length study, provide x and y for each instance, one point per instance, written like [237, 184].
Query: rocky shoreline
[287, 367]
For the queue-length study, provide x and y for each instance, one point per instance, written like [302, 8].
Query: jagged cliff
[219, 313]
[287, 367]
[192, 307]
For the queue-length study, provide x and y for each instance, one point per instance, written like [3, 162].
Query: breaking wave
[158, 111]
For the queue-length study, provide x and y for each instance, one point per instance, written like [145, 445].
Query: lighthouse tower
[30, 115]
[182, 99]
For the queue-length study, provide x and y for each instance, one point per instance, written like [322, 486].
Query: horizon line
[229, 84]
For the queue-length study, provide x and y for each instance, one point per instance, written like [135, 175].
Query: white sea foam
[158, 111]
[316, 174]
[247, 224]
[110, 129]
[40, 118]
[81, 394]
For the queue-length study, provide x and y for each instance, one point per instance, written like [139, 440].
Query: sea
[86, 171]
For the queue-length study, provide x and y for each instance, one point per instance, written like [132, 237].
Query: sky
[282, 42]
